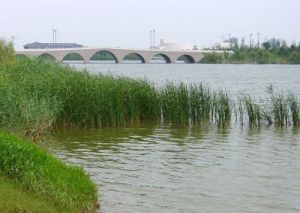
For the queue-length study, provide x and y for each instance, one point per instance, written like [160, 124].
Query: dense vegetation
[268, 54]
[50, 96]
[26, 169]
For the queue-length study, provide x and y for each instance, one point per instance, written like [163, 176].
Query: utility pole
[154, 31]
[53, 32]
[55, 37]
[150, 39]
[258, 44]
[250, 42]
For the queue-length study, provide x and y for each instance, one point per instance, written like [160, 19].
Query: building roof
[37, 45]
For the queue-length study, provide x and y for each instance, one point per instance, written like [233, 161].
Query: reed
[200, 103]
[253, 110]
[222, 109]
[175, 104]
[294, 106]
[279, 109]
[52, 95]
[38, 96]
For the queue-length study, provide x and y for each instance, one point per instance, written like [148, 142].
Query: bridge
[118, 55]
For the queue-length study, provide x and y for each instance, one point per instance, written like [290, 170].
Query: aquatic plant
[174, 101]
[279, 108]
[253, 110]
[222, 108]
[294, 106]
[200, 103]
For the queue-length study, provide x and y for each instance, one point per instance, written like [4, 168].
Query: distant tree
[266, 45]
[212, 58]
[294, 58]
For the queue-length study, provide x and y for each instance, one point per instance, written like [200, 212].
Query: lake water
[163, 169]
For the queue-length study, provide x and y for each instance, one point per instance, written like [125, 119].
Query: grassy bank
[38, 173]
[15, 199]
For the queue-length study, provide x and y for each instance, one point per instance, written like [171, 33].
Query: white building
[174, 45]
[222, 45]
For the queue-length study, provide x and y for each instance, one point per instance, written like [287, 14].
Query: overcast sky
[126, 23]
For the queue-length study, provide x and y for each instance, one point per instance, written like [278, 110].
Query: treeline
[269, 53]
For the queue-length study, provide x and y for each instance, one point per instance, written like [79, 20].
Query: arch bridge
[88, 55]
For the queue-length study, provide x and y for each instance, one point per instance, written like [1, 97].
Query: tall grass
[36, 96]
[222, 109]
[7, 52]
[253, 111]
[175, 104]
[294, 105]
[39, 172]
[279, 108]
[200, 103]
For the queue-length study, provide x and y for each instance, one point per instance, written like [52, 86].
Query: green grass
[42, 175]
[15, 199]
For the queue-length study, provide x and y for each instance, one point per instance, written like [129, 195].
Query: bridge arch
[73, 57]
[104, 56]
[187, 59]
[158, 58]
[134, 57]
[47, 57]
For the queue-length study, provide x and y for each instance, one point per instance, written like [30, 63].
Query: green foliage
[175, 104]
[7, 52]
[49, 95]
[294, 105]
[294, 58]
[222, 109]
[267, 55]
[253, 110]
[212, 58]
[279, 108]
[38, 171]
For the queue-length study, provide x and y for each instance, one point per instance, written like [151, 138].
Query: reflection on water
[161, 169]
